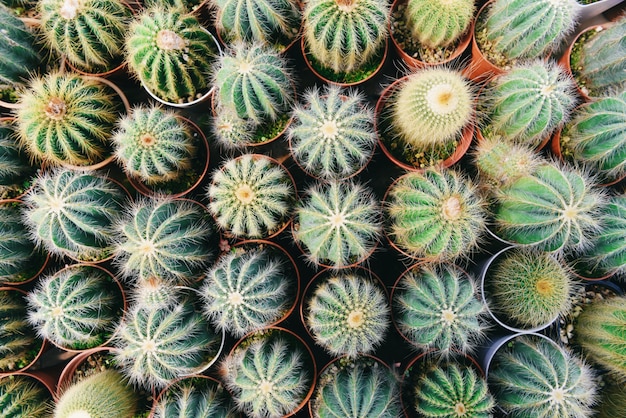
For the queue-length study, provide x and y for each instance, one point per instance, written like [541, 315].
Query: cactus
[90, 33]
[195, 397]
[251, 196]
[532, 376]
[19, 260]
[438, 23]
[255, 81]
[344, 35]
[527, 289]
[66, 119]
[599, 330]
[612, 402]
[153, 144]
[339, 224]
[451, 390]
[23, 396]
[171, 53]
[18, 345]
[17, 47]
[165, 238]
[332, 135]
[72, 213]
[268, 374]
[348, 314]
[554, 209]
[154, 292]
[436, 307]
[230, 130]
[77, 308]
[437, 215]
[360, 387]
[14, 166]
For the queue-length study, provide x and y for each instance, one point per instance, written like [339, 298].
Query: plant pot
[45, 382]
[480, 68]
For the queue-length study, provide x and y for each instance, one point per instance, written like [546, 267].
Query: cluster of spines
[23, 396]
[192, 398]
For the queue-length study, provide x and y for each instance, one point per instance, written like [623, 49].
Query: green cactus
[360, 387]
[251, 196]
[599, 330]
[554, 209]
[612, 401]
[348, 314]
[437, 215]
[66, 119]
[195, 398]
[528, 290]
[76, 308]
[530, 101]
[154, 292]
[23, 396]
[165, 238]
[14, 166]
[18, 342]
[436, 307]
[269, 374]
[452, 390]
[438, 23]
[230, 130]
[532, 376]
[171, 54]
[344, 35]
[338, 223]
[90, 33]
[19, 260]
[17, 47]
[332, 135]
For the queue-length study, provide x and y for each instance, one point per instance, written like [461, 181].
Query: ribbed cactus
[71, 213]
[18, 342]
[154, 292]
[599, 330]
[438, 23]
[348, 314]
[153, 144]
[436, 307]
[195, 398]
[165, 238]
[248, 290]
[19, 260]
[452, 390]
[269, 374]
[171, 53]
[612, 401]
[90, 33]
[530, 101]
[17, 47]
[66, 119]
[14, 164]
[76, 308]
[332, 135]
[230, 130]
[437, 215]
[251, 196]
[527, 290]
[344, 35]
[554, 209]
[532, 376]
[24, 396]
[360, 387]
[338, 224]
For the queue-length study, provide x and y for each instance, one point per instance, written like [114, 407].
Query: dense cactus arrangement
[14, 165]
[17, 47]
[195, 398]
[436, 307]
[338, 224]
[18, 342]
[438, 23]
[19, 260]
[23, 396]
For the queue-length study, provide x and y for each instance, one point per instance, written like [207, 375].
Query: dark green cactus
[24, 396]
[17, 49]
[18, 342]
[19, 260]
[195, 397]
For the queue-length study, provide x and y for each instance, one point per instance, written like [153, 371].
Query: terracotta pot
[480, 68]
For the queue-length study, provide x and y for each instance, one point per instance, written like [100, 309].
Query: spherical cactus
[436, 215]
[18, 343]
[348, 314]
[332, 135]
[530, 101]
[344, 35]
[195, 398]
[19, 260]
[23, 396]
[14, 166]
[66, 119]
[338, 224]
[171, 54]
[436, 307]
[77, 308]
[532, 376]
[251, 196]
[230, 130]
[17, 47]
[438, 23]
[451, 390]
[89, 33]
[360, 387]
[153, 291]
[165, 238]
[72, 213]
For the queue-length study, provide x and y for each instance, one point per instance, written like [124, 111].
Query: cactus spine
[194, 398]
[230, 130]
[18, 257]
[14, 165]
[18, 345]
[23, 396]
[438, 23]
[17, 47]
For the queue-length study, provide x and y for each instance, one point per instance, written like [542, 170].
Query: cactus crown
[195, 397]
[18, 257]
[23, 396]
[438, 23]
[18, 345]
[17, 47]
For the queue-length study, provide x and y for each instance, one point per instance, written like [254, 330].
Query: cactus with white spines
[438, 23]
[195, 397]
[14, 166]
[332, 134]
[23, 396]
[18, 256]
[18, 342]
[17, 47]
[230, 130]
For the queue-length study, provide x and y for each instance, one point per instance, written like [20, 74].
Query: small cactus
[332, 135]
[612, 401]
[532, 376]
[348, 314]
[360, 387]
[195, 398]
[438, 23]
[72, 213]
[251, 196]
[23, 396]
[17, 48]
[66, 119]
[436, 307]
[437, 215]
[77, 308]
[338, 224]
[14, 166]
[19, 260]
[171, 53]
[230, 130]
[18, 344]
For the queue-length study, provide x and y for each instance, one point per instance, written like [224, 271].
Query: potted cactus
[24, 395]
